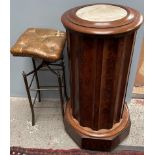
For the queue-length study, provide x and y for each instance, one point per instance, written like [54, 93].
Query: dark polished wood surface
[99, 75]
[103, 139]
[130, 22]
[96, 115]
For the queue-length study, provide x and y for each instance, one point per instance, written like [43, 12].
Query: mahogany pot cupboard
[100, 42]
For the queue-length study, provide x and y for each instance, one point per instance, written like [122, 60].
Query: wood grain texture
[99, 75]
[103, 139]
[132, 21]
[100, 55]
[139, 81]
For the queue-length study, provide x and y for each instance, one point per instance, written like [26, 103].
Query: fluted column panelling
[100, 54]
[99, 72]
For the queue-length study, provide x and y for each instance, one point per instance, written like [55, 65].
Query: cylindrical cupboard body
[100, 42]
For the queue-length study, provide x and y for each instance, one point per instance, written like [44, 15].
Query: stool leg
[37, 80]
[29, 98]
[64, 80]
[61, 97]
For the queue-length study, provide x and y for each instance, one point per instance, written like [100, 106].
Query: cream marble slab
[101, 13]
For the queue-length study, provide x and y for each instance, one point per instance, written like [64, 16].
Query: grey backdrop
[47, 14]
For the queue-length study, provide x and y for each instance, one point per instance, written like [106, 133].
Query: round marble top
[101, 13]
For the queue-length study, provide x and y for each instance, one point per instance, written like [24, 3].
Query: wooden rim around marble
[132, 20]
[102, 133]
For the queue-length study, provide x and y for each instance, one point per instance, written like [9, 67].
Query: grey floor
[49, 130]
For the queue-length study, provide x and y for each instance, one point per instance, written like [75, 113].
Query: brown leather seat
[46, 44]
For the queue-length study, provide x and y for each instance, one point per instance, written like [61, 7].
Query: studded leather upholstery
[46, 44]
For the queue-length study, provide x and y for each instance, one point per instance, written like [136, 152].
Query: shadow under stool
[47, 45]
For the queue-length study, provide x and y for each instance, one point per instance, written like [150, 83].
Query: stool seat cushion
[46, 44]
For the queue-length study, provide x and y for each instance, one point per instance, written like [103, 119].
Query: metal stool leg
[60, 87]
[61, 97]
[29, 98]
[37, 80]
[64, 80]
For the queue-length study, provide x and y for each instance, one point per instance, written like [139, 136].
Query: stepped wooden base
[104, 139]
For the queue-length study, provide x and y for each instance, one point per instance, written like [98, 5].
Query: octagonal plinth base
[104, 139]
